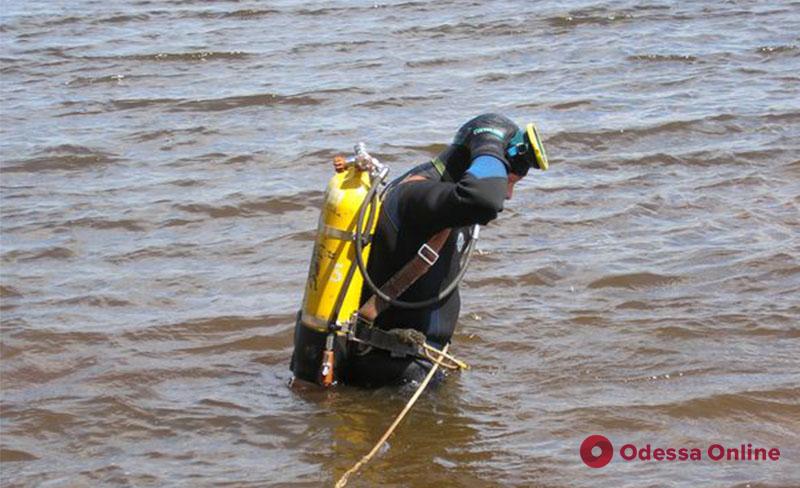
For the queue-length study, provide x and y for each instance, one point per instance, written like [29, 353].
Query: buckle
[425, 248]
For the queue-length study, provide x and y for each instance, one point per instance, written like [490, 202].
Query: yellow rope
[364, 460]
[453, 364]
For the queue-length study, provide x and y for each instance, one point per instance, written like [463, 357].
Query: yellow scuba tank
[334, 252]
[333, 288]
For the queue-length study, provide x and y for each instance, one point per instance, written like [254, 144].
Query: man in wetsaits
[465, 185]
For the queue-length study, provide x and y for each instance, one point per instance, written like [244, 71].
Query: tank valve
[362, 160]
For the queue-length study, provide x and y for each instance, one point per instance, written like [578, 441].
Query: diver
[464, 185]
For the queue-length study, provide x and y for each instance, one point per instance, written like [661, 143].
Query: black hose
[371, 200]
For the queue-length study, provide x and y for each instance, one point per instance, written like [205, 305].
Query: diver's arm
[475, 199]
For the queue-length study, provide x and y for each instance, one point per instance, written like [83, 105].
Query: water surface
[163, 164]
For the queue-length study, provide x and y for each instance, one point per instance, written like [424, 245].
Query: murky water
[162, 167]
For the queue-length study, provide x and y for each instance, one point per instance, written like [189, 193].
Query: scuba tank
[333, 288]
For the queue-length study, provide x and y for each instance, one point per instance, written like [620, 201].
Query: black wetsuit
[470, 191]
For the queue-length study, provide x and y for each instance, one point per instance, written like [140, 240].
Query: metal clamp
[425, 248]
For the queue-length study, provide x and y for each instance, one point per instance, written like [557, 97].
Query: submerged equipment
[330, 318]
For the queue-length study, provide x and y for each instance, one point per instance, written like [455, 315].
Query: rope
[454, 363]
[364, 460]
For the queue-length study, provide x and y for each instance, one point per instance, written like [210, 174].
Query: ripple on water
[66, 157]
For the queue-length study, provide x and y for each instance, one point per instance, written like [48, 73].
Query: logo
[596, 451]
[495, 132]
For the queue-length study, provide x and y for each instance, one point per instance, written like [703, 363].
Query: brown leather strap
[408, 274]
[419, 265]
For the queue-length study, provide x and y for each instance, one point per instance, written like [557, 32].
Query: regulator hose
[371, 200]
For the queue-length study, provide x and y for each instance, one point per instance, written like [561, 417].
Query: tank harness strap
[439, 165]
[441, 168]
[402, 343]
[399, 342]
[426, 257]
